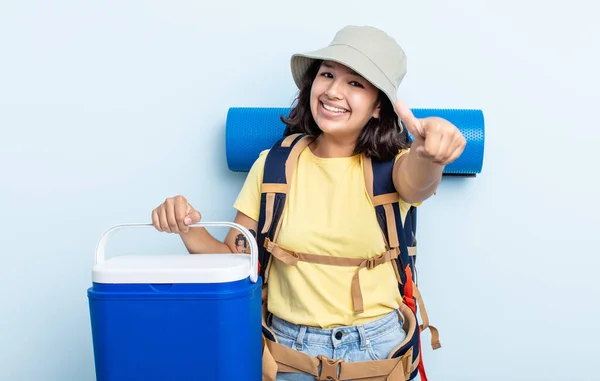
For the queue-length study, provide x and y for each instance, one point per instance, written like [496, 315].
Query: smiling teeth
[334, 109]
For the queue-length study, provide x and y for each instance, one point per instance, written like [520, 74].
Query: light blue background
[107, 108]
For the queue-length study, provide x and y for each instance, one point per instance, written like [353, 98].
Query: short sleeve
[404, 206]
[248, 200]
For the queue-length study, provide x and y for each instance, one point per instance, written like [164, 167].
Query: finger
[162, 216]
[457, 152]
[446, 148]
[156, 220]
[433, 141]
[413, 125]
[179, 208]
[171, 220]
[192, 217]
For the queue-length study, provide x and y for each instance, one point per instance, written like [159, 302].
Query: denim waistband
[340, 335]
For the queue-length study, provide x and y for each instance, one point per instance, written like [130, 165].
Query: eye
[357, 84]
[327, 74]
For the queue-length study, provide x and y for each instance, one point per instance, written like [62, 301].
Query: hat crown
[377, 46]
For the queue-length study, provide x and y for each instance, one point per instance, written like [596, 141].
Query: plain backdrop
[109, 107]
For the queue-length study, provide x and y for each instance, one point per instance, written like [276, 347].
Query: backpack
[400, 239]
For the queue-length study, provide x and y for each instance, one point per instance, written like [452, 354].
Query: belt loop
[300, 337]
[363, 337]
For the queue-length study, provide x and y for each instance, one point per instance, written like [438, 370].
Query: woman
[347, 103]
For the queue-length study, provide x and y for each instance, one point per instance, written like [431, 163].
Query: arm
[200, 241]
[176, 214]
[437, 143]
[416, 179]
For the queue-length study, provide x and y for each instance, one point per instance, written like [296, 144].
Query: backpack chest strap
[292, 258]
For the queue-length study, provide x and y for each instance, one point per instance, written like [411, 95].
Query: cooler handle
[99, 256]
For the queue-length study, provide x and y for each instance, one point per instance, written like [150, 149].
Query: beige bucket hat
[367, 50]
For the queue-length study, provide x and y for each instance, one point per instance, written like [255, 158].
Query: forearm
[199, 241]
[416, 179]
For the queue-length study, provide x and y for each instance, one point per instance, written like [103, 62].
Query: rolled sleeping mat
[250, 130]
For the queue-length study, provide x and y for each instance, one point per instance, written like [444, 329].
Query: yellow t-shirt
[329, 213]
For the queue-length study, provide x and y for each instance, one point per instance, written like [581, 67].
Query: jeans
[374, 340]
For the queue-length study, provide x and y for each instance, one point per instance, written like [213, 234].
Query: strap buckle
[371, 263]
[375, 261]
[330, 369]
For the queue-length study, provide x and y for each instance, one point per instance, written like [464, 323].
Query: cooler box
[176, 317]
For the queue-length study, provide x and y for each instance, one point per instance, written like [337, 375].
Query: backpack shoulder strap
[397, 235]
[280, 165]
[385, 200]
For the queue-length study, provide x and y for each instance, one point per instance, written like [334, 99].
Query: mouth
[333, 109]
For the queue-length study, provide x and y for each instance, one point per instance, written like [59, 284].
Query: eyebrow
[330, 66]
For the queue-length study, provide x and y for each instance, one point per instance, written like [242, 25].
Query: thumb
[192, 216]
[413, 125]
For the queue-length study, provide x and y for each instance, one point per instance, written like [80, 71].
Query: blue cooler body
[176, 317]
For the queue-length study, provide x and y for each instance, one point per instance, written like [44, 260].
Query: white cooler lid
[174, 268]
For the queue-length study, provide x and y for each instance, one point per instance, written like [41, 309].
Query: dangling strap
[435, 335]
[270, 190]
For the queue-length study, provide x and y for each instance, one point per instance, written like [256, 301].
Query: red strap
[409, 300]
[422, 371]
[421, 366]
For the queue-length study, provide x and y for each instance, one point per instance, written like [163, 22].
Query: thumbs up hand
[435, 139]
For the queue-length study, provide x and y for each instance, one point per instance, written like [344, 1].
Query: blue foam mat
[250, 130]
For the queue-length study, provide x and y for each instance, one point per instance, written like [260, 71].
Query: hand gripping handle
[99, 255]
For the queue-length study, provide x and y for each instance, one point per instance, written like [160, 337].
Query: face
[341, 101]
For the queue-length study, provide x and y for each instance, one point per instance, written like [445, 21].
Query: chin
[335, 129]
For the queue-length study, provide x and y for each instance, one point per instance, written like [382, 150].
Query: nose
[334, 90]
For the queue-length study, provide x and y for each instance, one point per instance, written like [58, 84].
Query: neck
[326, 146]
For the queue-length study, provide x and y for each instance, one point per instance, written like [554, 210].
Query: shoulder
[256, 171]
[262, 157]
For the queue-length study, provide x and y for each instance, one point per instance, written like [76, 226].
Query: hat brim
[346, 56]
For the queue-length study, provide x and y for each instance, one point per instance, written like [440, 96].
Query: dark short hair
[380, 138]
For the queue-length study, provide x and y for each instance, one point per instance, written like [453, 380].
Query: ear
[377, 111]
